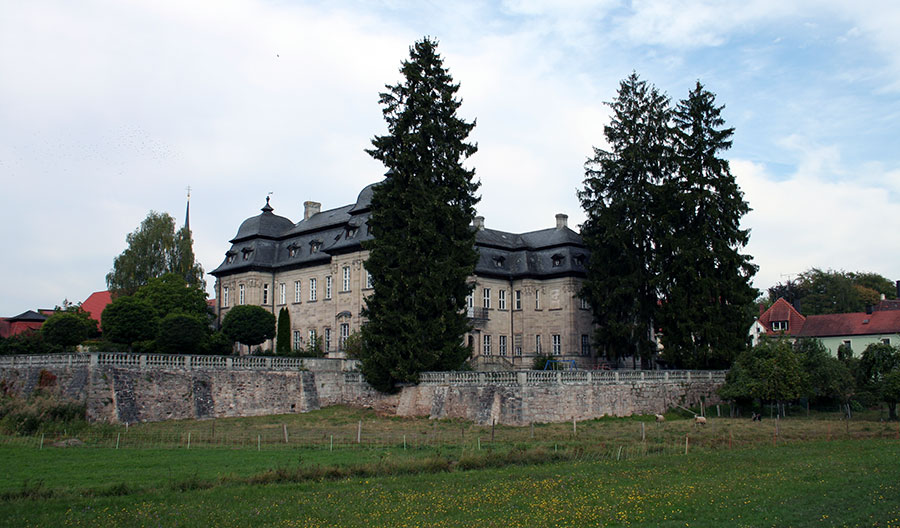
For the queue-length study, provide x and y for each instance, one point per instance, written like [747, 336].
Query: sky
[111, 109]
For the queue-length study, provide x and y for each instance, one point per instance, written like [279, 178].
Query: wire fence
[630, 437]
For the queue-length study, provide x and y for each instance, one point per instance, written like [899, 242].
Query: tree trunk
[892, 411]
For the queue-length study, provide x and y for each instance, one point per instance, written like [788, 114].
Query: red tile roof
[782, 310]
[95, 304]
[885, 322]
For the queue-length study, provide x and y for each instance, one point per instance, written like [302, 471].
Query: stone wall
[126, 388]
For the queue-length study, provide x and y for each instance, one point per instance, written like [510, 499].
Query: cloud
[816, 219]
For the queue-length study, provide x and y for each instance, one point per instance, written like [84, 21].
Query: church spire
[187, 211]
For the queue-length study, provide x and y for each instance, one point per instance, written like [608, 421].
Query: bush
[28, 343]
[66, 329]
[41, 412]
[181, 333]
[220, 344]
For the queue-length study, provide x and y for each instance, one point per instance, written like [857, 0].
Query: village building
[524, 300]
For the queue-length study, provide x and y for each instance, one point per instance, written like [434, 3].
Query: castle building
[524, 300]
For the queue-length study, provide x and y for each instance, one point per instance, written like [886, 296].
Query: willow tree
[423, 249]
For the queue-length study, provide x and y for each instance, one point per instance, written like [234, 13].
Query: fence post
[359, 432]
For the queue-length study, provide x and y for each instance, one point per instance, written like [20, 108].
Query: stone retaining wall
[128, 388]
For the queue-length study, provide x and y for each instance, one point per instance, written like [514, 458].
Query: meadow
[811, 471]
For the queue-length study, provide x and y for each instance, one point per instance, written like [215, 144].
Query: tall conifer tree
[423, 249]
[706, 292]
[622, 204]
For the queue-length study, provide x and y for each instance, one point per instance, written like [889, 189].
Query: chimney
[868, 309]
[762, 309]
[311, 208]
[562, 221]
[898, 289]
[479, 223]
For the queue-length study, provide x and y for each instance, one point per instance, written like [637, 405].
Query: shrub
[181, 333]
[42, 411]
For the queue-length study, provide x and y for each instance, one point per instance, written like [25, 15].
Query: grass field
[736, 473]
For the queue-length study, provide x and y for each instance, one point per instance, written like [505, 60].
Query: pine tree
[621, 201]
[423, 249]
[706, 292]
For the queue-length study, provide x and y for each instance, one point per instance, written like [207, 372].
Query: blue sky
[111, 109]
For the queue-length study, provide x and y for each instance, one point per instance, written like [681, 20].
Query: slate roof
[28, 316]
[267, 242]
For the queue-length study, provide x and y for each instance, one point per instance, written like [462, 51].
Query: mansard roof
[266, 224]
[274, 243]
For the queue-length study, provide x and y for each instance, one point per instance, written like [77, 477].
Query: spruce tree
[423, 249]
[622, 205]
[706, 292]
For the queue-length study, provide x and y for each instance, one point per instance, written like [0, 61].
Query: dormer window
[247, 252]
[557, 260]
[351, 231]
[314, 246]
[229, 257]
[579, 260]
[498, 261]
[293, 250]
[780, 326]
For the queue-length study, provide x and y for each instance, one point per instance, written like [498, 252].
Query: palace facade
[524, 300]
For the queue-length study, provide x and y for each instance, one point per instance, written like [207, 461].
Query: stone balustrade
[178, 362]
[568, 377]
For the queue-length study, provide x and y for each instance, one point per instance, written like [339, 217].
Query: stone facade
[129, 388]
[524, 299]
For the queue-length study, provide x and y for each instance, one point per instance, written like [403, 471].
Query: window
[846, 343]
[298, 340]
[486, 349]
[312, 289]
[241, 294]
[537, 299]
[518, 344]
[585, 345]
[518, 298]
[498, 261]
[501, 299]
[297, 292]
[229, 257]
[292, 250]
[502, 345]
[345, 333]
[346, 274]
[369, 283]
[584, 304]
[487, 297]
[537, 344]
[265, 294]
[247, 252]
[327, 339]
[328, 283]
[282, 293]
[225, 296]
[470, 301]
[557, 260]
[557, 345]
[312, 336]
[779, 325]
[886, 340]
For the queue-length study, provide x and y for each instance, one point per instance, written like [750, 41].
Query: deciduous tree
[154, 249]
[65, 329]
[128, 320]
[423, 248]
[249, 324]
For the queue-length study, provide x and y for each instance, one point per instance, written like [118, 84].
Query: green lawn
[838, 483]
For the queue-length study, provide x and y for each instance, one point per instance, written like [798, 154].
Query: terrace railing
[178, 362]
[569, 377]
